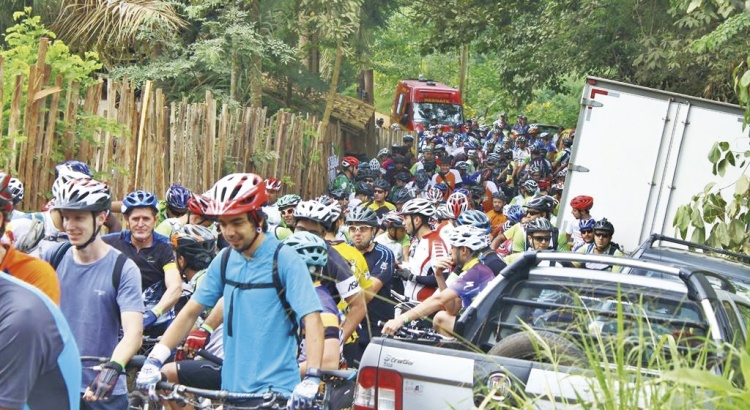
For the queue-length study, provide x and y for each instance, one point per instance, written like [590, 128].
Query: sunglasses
[533, 213]
[586, 232]
[358, 229]
[602, 234]
[541, 238]
[288, 211]
[379, 191]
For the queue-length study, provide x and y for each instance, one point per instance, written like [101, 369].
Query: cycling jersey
[40, 366]
[381, 262]
[337, 276]
[610, 250]
[343, 183]
[473, 279]
[152, 262]
[422, 256]
[261, 353]
[357, 264]
[330, 318]
[497, 219]
[443, 229]
[31, 270]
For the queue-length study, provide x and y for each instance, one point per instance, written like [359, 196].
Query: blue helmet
[139, 199]
[67, 167]
[587, 223]
[442, 187]
[476, 218]
[177, 198]
[515, 213]
[310, 247]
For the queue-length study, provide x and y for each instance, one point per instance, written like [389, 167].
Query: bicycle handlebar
[221, 395]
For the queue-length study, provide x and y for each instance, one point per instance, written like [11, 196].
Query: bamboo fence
[156, 142]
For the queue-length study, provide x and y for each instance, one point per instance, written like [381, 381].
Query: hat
[399, 159]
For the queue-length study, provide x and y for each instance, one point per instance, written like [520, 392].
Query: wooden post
[141, 129]
[14, 122]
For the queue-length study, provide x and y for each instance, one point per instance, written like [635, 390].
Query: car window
[734, 320]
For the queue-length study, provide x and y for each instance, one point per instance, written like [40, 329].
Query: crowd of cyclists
[279, 287]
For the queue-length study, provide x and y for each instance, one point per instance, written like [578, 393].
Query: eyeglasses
[532, 212]
[541, 238]
[288, 211]
[586, 232]
[358, 229]
[602, 234]
[379, 191]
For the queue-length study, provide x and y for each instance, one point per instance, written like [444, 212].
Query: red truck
[420, 103]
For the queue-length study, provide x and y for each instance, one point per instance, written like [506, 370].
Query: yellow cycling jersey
[358, 264]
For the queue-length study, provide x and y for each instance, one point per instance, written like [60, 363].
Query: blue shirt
[40, 367]
[261, 353]
[381, 262]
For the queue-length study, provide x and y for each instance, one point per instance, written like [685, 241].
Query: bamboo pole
[14, 122]
[49, 140]
[141, 129]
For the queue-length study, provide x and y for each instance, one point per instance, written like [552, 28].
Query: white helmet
[15, 186]
[83, 195]
[313, 210]
[469, 236]
[27, 233]
[443, 212]
[418, 206]
[64, 178]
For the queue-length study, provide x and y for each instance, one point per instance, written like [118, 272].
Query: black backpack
[276, 283]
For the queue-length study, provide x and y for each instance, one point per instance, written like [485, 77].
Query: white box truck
[641, 153]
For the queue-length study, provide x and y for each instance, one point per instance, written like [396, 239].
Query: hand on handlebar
[392, 326]
[405, 274]
[149, 375]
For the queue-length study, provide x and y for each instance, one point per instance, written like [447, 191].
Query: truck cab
[421, 103]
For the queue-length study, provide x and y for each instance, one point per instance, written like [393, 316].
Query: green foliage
[710, 213]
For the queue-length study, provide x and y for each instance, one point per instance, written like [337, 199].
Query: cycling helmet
[234, 194]
[427, 149]
[533, 129]
[61, 180]
[325, 200]
[530, 186]
[567, 142]
[383, 153]
[403, 177]
[27, 234]
[433, 194]
[468, 236]
[508, 224]
[139, 199]
[493, 158]
[514, 213]
[273, 184]
[402, 196]
[476, 218]
[604, 225]
[461, 166]
[499, 195]
[457, 203]
[349, 162]
[473, 154]
[582, 202]
[469, 145]
[422, 178]
[462, 191]
[177, 197]
[586, 223]
[338, 194]
[310, 247]
[418, 206]
[363, 188]
[542, 203]
[562, 174]
[508, 153]
[334, 213]
[442, 213]
[83, 195]
[15, 187]
[70, 166]
[381, 184]
[312, 210]
[375, 166]
[538, 225]
[408, 138]
[521, 140]
[392, 220]
[362, 215]
[288, 201]
[442, 187]
[196, 243]
[429, 166]
[538, 150]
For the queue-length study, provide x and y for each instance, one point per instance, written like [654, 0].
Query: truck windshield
[443, 113]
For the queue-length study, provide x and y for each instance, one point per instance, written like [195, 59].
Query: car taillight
[378, 389]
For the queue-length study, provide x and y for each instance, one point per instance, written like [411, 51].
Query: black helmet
[402, 196]
[422, 178]
[538, 225]
[338, 194]
[196, 243]
[430, 166]
[403, 176]
[544, 203]
[362, 215]
[382, 184]
[604, 225]
[363, 188]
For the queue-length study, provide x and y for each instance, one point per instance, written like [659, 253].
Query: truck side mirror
[405, 119]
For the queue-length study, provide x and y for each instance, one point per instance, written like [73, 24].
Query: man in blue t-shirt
[260, 347]
[95, 308]
[40, 366]
[363, 223]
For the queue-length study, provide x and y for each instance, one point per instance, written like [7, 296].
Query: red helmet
[235, 194]
[457, 203]
[349, 162]
[582, 202]
[6, 199]
[273, 184]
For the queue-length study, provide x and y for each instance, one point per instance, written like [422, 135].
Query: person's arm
[181, 325]
[357, 312]
[171, 296]
[331, 357]
[499, 239]
[431, 305]
[442, 266]
[314, 339]
[112, 223]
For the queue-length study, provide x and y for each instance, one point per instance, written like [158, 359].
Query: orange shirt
[33, 271]
[496, 221]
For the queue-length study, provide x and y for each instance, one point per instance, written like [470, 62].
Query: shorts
[201, 374]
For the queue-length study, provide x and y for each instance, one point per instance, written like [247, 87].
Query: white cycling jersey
[422, 256]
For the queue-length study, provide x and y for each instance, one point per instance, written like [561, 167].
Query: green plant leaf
[745, 80]
[699, 378]
[714, 154]
[699, 235]
[743, 183]
[722, 167]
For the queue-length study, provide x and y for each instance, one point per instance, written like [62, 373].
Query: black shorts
[201, 374]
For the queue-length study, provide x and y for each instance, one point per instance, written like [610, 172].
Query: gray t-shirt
[92, 307]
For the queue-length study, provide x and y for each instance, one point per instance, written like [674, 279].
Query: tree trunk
[332, 90]
[464, 70]
[235, 71]
[255, 72]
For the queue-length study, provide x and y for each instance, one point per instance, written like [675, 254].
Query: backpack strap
[281, 292]
[59, 254]
[117, 277]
